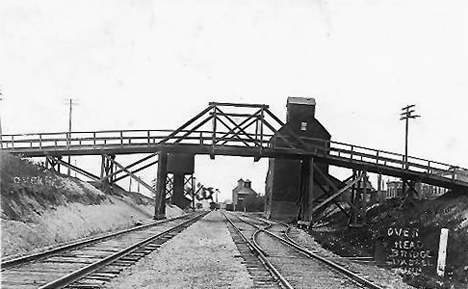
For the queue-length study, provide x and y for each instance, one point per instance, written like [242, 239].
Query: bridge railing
[370, 156]
[320, 147]
[125, 138]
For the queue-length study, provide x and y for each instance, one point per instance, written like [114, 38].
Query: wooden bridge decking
[255, 145]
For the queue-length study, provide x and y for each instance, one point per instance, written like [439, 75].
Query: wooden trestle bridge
[248, 130]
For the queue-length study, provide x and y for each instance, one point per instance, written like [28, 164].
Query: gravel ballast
[202, 256]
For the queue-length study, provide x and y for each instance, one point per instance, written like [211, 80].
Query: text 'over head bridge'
[235, 130]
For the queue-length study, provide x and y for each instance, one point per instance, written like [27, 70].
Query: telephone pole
[71, 103]
[406, 115]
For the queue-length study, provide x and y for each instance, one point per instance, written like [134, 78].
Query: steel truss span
[249, 130]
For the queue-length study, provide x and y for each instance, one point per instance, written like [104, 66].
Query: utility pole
[71, 103]
[406, 115]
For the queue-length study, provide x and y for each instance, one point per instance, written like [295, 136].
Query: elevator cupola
[300, 108]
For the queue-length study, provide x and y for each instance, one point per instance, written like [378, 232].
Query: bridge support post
[178, 193]
[160, 198]
[53, 162]
[358, 201]
[306, 198]
[409, 193]
[107, 168]
[310, 191]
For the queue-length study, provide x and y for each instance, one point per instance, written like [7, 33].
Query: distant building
[424, 191]
[240, 192]
[394, 189]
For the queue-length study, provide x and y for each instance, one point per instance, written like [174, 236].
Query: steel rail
[9, 263]
[363, 282]
[260, 253]
[73, 276]
[337, 267]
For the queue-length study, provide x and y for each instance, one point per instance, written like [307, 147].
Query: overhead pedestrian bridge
[248, 130]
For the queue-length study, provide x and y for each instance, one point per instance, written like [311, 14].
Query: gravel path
[203, 256]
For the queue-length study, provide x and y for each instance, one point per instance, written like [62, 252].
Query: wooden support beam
[187, 180]
[130, 166]
[192, 130]
[339, 192]
[52, 161]
[136, 178]
[160, 204]
[193, 193]
[135, 171]
[242, 127]
[78, 170]
[408, 195]
[310, 185]
[238, 104]
[358, 201]
[235, 135]
[182, 127]
[213, 136]
[328, 193]
[325, 177]
[239, 126]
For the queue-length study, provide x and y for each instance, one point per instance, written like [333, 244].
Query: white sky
[154, 64]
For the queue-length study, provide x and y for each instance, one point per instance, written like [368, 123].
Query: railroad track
[92, 263]
[258, 267]
[293, 265]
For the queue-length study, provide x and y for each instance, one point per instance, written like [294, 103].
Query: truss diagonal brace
[328, 194]
[339, 192]
[239, 126]
[227, 134]
[129, 166]
[143, 183]
[135, 171]
[186, 124]
[330, 183]
[193, 130]
[74, 168]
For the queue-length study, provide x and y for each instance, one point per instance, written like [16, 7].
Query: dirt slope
[40, 208]
[426, 218]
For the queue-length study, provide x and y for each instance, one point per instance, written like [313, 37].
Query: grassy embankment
[40, 208]
[449, 211]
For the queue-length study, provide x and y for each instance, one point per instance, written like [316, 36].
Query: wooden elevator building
[283, 181]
